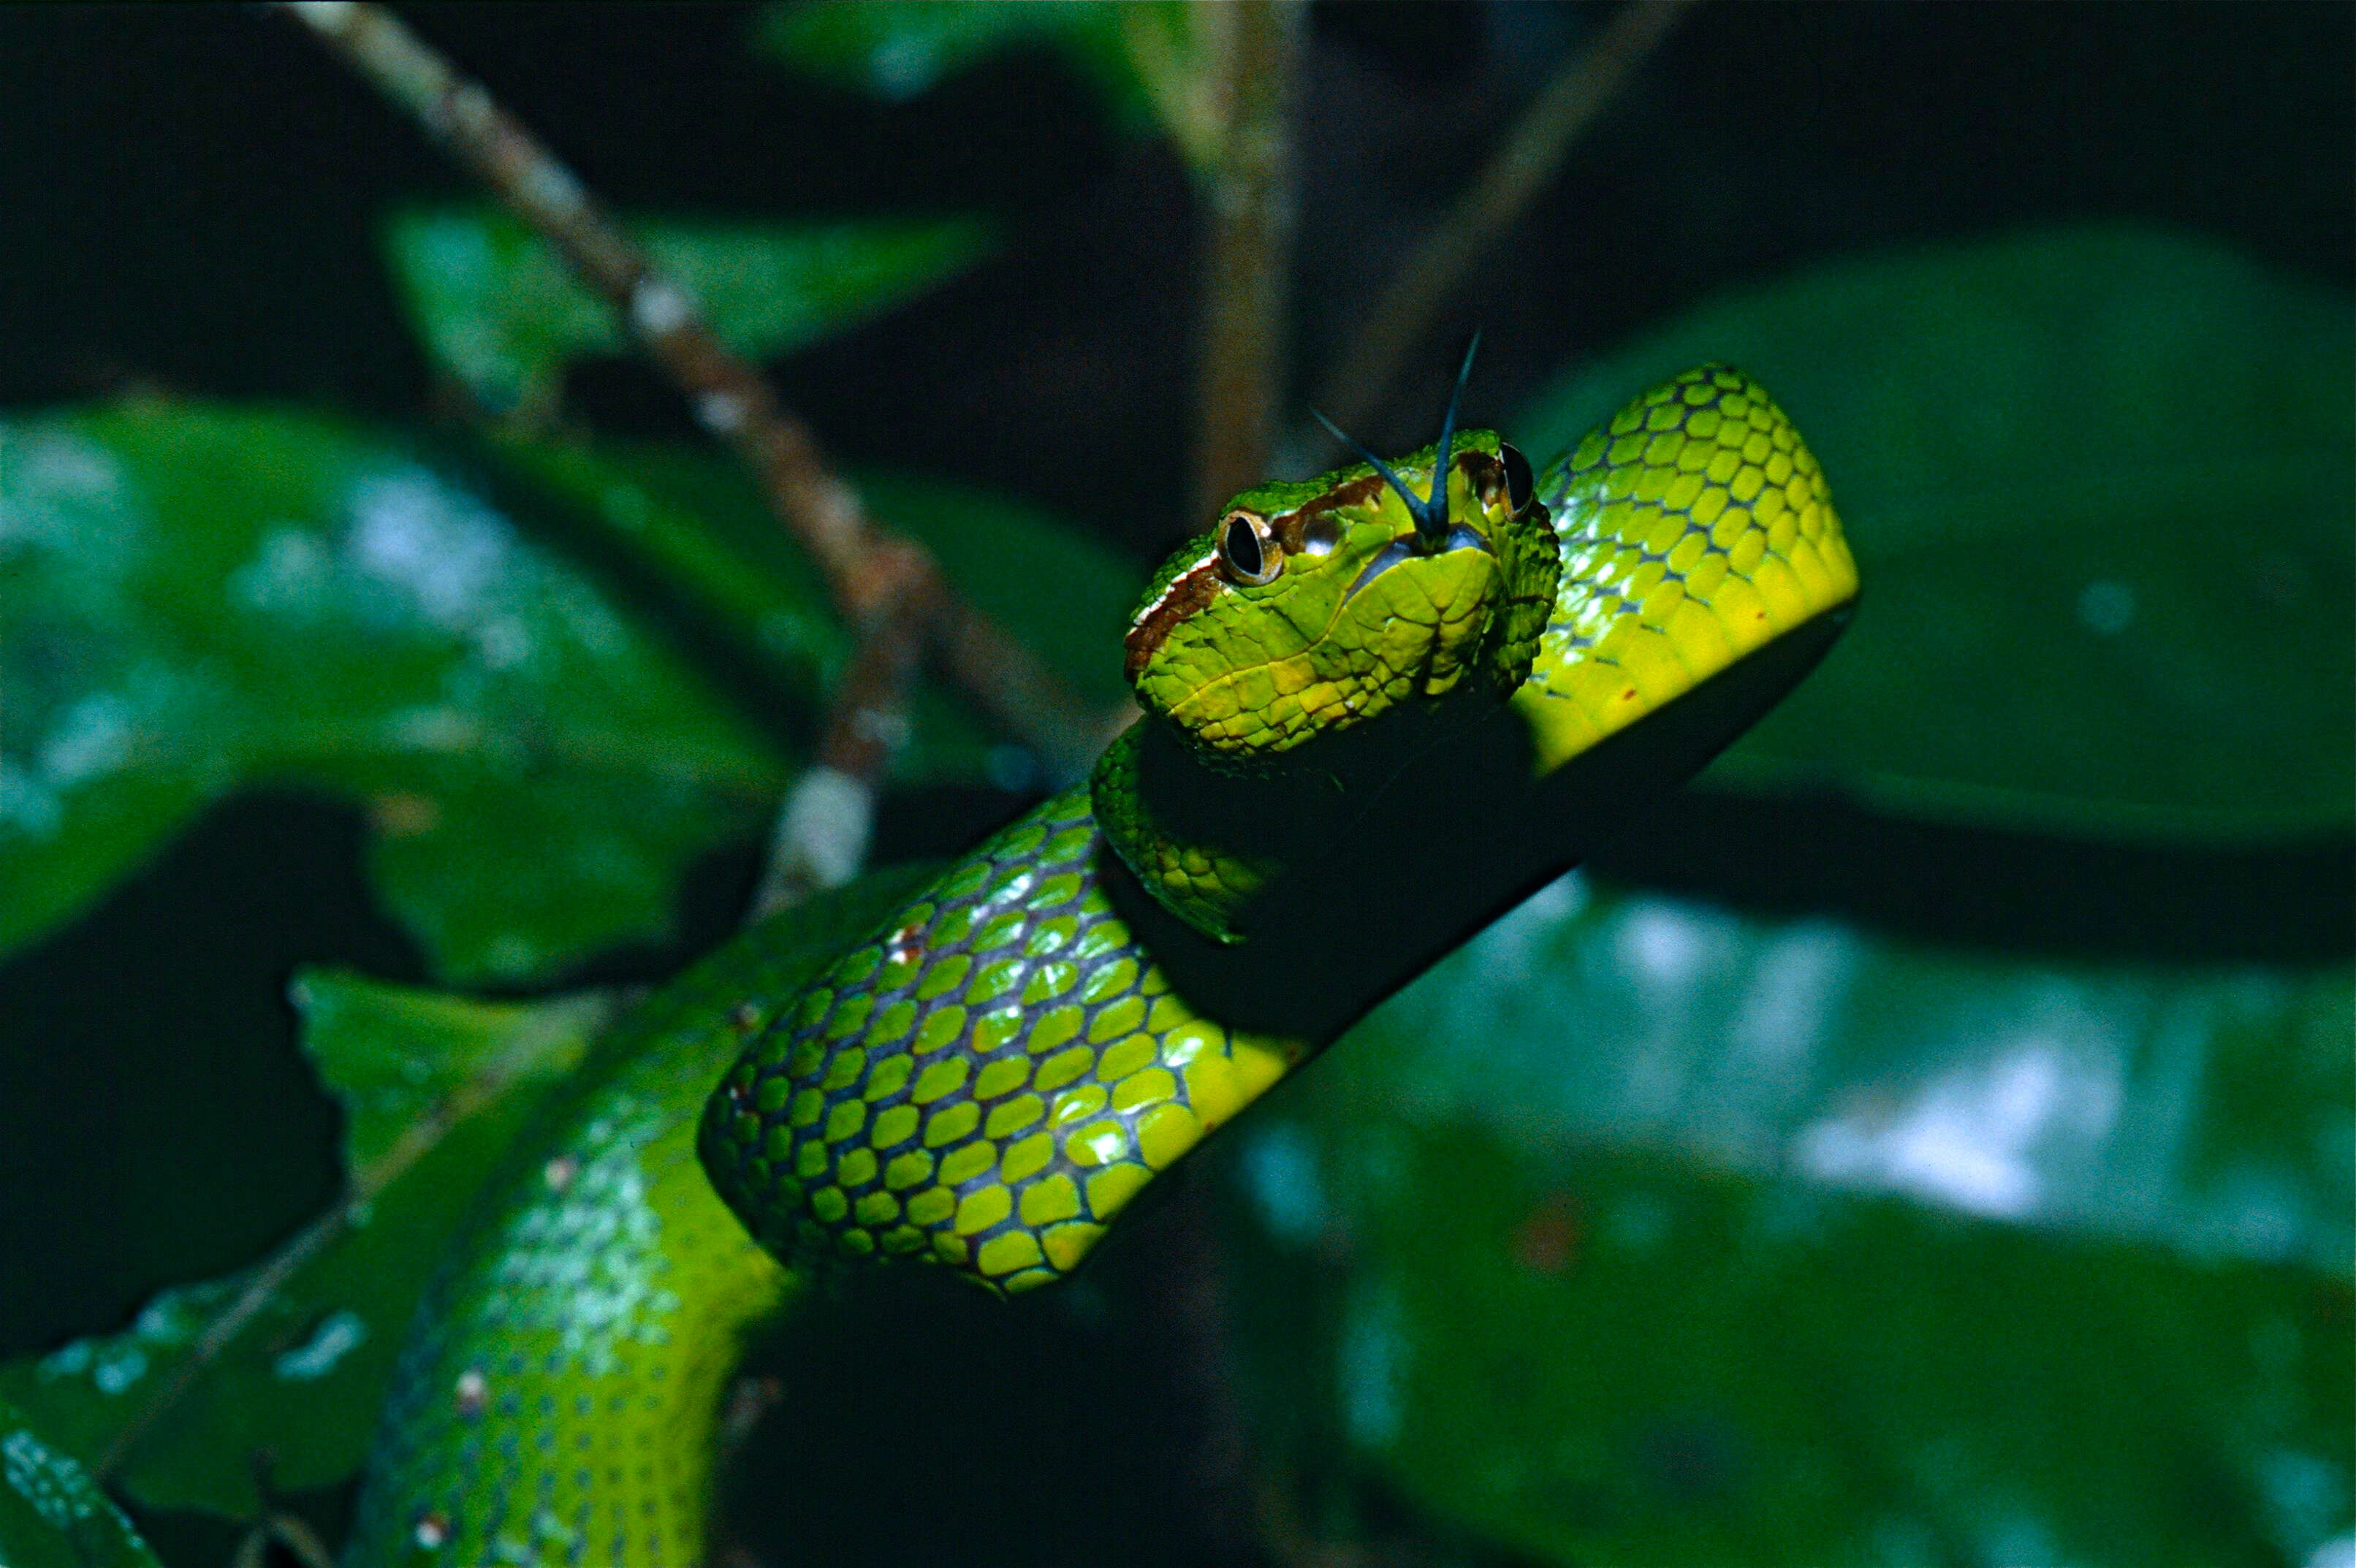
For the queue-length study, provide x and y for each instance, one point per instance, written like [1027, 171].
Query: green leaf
[195, 597]
[404, 1062]
[291, 1359]
[1142, 58]
[499, 310]
[695, 520]
[1048, 583]
[444, 1098]
[2099, 484]
[52, 1515]
[1640, 1232]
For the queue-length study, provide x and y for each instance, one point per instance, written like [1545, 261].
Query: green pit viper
[1371, 719]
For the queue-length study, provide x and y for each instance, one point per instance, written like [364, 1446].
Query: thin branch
[867, 568]
[1569, 102]
[821, 835]
[1256, 49]
[1192, 1319]
[259, 1291]
[301, 1542]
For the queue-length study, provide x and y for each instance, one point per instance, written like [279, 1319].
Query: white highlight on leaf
[27, 805]
[445, 554]
[339, 1335]
[1659, 942]
[2304, 1499]
[412, 533]
[1373, 1361]
[1279, 1169]
[824, 826]
[902, 66]
[2106, 608]
[291, 570]
[53, 484]
[1968, 1138]
[166, 1319]
[55, 1484]
[117, 1367]
[93, 738]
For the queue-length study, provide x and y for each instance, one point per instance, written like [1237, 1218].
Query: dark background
[193, 198]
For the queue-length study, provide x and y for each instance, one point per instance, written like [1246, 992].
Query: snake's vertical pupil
[1244, 548]
[1520, 484]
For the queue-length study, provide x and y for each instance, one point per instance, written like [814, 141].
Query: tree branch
[868, 569]
[1569, 102]
[1255, 50]
[821, 835]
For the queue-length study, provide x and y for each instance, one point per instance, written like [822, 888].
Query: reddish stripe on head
[1188, 592]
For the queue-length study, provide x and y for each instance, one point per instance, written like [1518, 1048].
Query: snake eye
[1520, 485]
[1248, 554]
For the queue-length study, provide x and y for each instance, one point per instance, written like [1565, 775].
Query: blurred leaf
[1052, 585]
[500, 311]
[52, 1515]
[1141, 56]
[405, 1063]
[195, 597]
[2204, 1109]
[1640, 1232]
[433, 1088]
[695, 520]
[2102, 495]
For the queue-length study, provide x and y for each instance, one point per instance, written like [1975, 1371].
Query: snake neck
[1230, 854]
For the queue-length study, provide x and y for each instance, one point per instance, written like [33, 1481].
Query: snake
[1376, 707]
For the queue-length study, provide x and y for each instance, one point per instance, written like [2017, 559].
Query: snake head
[1315, 606]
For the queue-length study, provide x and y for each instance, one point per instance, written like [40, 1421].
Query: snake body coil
[1371, 718]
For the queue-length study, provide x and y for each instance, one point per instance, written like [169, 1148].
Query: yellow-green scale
[1695, 527]
[986, 1082]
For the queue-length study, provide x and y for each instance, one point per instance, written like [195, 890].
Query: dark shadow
[1405, 870]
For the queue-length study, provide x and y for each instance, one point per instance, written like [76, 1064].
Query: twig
[1194, 1319]
[258, 1292]
[822, 835]
[1568, 104]
[301, 1542]
[1256, 46]
[867, 569]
